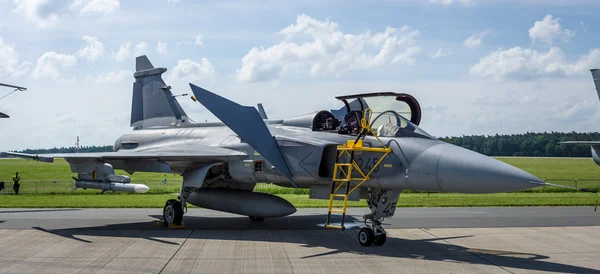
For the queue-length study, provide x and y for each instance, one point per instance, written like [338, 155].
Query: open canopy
[388, 113]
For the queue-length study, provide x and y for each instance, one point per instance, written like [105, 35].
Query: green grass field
[47, 179]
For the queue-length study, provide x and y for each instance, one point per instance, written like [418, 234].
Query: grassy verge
[301, 201]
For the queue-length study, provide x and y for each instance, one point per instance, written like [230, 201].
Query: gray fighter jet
[594, 145]
[366, 149]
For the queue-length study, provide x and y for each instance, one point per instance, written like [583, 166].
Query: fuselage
[416, 163]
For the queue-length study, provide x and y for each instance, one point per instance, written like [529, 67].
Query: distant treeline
[528, 144]
[69, 149]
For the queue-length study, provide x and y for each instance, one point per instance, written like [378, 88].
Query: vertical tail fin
[153, 104]
[596, 77]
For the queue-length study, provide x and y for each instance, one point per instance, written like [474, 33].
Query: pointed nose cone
[465, 171]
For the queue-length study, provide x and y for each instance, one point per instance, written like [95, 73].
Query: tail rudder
[153, 104]
[596, 77]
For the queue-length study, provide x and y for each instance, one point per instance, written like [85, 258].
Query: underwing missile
[133, 188]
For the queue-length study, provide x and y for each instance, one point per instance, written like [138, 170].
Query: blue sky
[477, 67]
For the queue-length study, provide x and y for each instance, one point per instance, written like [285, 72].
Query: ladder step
[333, 226]
[338, 195]
[338, 210]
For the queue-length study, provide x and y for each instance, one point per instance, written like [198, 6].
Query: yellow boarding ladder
[345, 169]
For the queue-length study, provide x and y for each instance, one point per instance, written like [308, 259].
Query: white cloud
[450, 2]
[441, 53]
[124, 52]
[47, 13]
[141, 48]
[191, 71]
[51, 63]
[9, 61]
[199, 40]
[525, 64]
[112, 77]
[43, 12]
[92, 50]
[95, 6]
[576, 111]
[321, 48]
[548, 30]
[162, 48]
[173, 1]
[475, 40]
[583, 26]
[183, 43]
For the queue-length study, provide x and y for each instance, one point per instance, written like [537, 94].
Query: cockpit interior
[385, 109]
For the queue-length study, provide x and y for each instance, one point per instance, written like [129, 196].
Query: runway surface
[423, 240]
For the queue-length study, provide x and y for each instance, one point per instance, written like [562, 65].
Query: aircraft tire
[173, 212]
[365, 236]
[380, 239]
[256, 219]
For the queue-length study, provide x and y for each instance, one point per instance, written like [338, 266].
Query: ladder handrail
[349, 148]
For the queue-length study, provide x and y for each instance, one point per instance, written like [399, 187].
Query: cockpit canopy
[387, 113]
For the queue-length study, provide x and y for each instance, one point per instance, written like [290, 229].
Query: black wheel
[365, 236]
[256, 219]
[173, 212]
[380, 239]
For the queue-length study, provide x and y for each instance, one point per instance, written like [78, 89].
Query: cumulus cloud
[576, 111]
[322, 49]
[47, 13]
[450, 2]
[50, 64]
[141, 48]
[548, 30]
[92, 50]
[124, 52]
[191, 71]
[95, 6]
[9, 64]
[198, 40]
[440, 53]
[162, 48]
[476, 39]
[44, 13]
[526, 64]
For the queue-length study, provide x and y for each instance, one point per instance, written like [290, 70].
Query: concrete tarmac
[420, 240]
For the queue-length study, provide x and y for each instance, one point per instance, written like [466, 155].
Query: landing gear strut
[382, 204]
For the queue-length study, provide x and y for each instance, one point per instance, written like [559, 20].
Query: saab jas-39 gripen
[367, 149]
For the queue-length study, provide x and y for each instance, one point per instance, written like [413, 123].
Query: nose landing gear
[382, 204]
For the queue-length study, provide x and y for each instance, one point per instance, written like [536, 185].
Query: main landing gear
[382, 204]
[174, 209]
[173, 213]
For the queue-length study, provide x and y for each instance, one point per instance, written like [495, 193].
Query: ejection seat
[352, 120]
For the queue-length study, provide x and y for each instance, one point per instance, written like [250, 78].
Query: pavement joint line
[461, 247]
[177, 251]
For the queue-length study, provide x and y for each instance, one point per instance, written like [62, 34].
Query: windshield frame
[409, 130]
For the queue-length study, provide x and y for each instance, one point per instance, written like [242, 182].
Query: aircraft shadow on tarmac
[222, 228]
